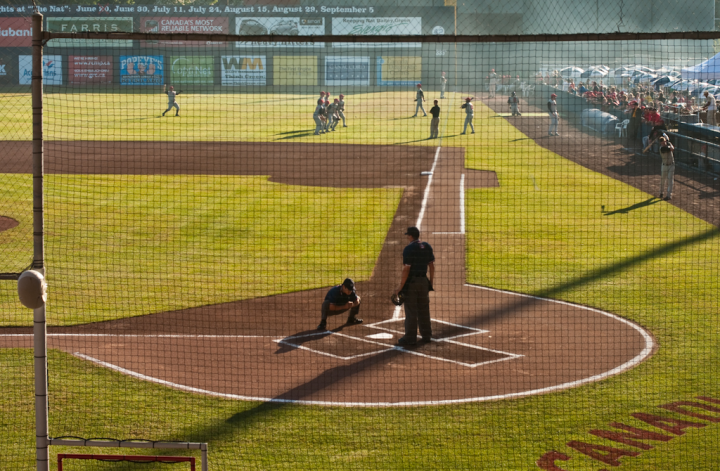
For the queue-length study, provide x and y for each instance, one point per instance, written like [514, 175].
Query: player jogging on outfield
[171, 94]
[469, 114]
[419, 98]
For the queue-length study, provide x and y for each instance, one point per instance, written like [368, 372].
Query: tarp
[708, 70]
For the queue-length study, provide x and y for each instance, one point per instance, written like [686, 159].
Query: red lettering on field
[670, 425]
[709, 399]
[547, 461]
[680, 408]
[610, 456]
[631, 437]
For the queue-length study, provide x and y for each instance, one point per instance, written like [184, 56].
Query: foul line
[427, 190]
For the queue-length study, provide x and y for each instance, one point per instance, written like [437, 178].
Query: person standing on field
[416, 283]
[554, 117]
[667, 171]
[317, 117]
[419, 98]
[469, 114]
[172, 103]
[332, 117]
[341, 109]
[513, 102]
[443, 83]
[493, 83]
[435, 121]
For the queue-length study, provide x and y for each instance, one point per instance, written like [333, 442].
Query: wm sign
[243, 70]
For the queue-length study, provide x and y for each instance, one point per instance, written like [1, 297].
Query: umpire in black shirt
[416, 284]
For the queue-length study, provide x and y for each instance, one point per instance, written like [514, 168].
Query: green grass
[194, 240]
[541, 232]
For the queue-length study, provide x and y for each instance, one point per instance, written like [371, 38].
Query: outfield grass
[541, 232]
[122, 246]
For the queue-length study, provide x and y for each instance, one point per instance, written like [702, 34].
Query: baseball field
[575, 313]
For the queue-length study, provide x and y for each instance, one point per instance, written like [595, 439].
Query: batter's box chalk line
[505, 355]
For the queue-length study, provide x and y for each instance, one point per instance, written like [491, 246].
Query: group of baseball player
[328, 114]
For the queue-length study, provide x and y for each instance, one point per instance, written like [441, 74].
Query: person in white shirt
[711, 108]
[554, 118]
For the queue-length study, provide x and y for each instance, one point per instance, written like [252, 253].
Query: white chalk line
[426, 196]
[591, 379]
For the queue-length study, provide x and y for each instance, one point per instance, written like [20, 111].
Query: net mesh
[203, 210]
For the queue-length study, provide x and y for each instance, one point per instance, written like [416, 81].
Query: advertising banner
[192, 69]
[89, 24]
[289, 26]
[160, 24]
[15, 32]
[141, 70]
[377, 27]
[52, 70]
[295, 70]
[90, 69]
[399, 70]
[7, 70]
[343, 70]
[243, 70]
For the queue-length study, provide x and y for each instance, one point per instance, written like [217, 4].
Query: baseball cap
[553, 96]
[419, 85]
[413, 231]
[349, 283]
[342, 96]
[435, 101]
[468, 99]
[336, 100]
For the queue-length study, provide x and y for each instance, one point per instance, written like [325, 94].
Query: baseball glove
[397, 299]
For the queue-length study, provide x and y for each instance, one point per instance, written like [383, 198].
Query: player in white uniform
[341, 109]
[332, 116]
[443, 83]
[419, 98]
[171, 94]
[493, 83]
[469, 114]
[316, 117]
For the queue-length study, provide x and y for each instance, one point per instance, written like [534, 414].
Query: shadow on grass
[304, 134]
[260, 413]
[642, 204]
[294, 132]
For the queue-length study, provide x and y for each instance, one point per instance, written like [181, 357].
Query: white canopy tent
[708, 70]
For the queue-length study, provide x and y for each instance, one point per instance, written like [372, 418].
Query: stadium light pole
[42, 455]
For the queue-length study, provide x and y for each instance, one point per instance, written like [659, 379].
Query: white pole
[42, 455]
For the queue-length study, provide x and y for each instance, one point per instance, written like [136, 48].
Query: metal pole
[42, 455]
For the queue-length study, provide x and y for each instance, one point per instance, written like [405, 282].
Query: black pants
[417, 308]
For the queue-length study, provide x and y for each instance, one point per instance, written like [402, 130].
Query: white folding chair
[621, 128]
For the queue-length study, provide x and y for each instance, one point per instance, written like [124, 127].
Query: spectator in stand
[660, 97]
[571, 87]
[517, 84]
[658, 125]
[711, 107]
[595, 87]
[582, 89]
[635, 124]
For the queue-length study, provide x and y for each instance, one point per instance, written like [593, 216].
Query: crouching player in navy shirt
[339, 299]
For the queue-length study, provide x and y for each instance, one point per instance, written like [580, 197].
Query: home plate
[380, 336]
